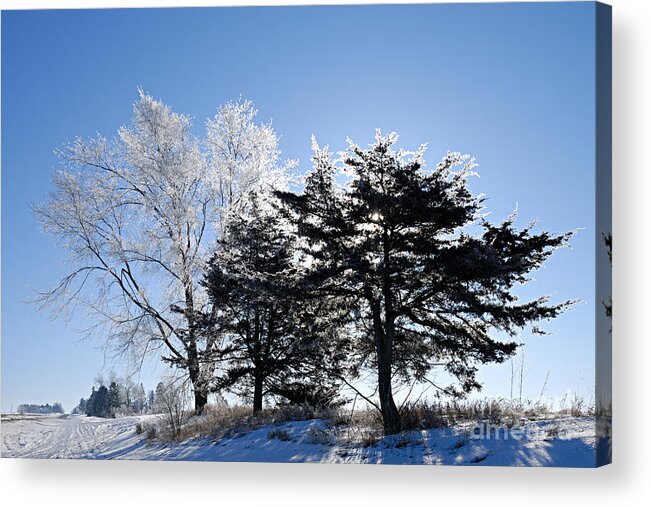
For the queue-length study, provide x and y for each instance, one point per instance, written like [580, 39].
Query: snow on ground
[63, 436]
[569, 443]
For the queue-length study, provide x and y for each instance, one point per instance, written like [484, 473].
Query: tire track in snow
[72, 437]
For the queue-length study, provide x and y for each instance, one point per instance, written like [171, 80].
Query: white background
[627, 481]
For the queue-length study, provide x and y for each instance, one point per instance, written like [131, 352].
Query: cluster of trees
[122, 396]
[28, 408]
[202, 250]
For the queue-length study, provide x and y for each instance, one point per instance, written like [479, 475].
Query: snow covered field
[569, 442]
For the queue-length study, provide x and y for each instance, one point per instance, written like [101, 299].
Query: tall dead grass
[363, 425]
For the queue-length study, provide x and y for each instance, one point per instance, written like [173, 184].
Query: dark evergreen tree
[102, 405]
[92, 400]
[408, 252]
[98, 404]
[274, 338]
[151, 401]
[113, 399]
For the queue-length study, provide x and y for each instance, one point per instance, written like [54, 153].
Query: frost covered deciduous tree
[409, 253]
[139, 404]
[242, 154]
[172, 401]
[137, 214]
[127, 391]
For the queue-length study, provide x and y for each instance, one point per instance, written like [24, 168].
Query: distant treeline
[28, 408]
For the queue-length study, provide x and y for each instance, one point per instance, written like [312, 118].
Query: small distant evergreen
[113, 400]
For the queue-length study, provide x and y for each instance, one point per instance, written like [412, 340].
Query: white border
[96, 484]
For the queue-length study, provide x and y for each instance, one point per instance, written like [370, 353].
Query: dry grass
[280, 434]
[363, 426]
[219, 421]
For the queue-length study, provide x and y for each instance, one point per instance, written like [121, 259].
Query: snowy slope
[94, 438]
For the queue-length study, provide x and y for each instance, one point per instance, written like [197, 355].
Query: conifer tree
[113, 398]
[101, 406]
[92, 401]
[151, 400]
[409, 253]
[274, 336]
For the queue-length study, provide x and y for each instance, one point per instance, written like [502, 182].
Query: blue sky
[512, 84]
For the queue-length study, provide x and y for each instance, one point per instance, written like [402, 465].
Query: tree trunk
[200, 401]
[385, 335]
[384, 346]
[258, 382]
[258, 377]
[390, 414]
[194, 369]
[194, 372]
[200, 393]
